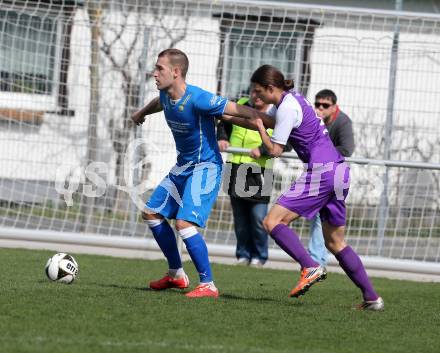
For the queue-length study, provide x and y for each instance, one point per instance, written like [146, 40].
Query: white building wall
[355, 64]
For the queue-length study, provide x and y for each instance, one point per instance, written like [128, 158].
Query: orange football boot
[170, 282]
[203, 290]
[309, 276]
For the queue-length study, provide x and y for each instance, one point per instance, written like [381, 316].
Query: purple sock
[353, 267]
[287, 240]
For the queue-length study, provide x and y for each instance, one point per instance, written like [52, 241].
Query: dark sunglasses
[324, 105]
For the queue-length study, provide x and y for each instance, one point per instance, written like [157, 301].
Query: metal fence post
[384, 200]
[138, 130]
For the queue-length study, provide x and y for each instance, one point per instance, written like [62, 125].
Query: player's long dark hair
[269, 75]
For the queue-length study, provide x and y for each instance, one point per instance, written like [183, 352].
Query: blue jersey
[191, 120]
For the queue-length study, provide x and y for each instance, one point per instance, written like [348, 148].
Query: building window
[27, 53]
[248, 42]
[34, 59]
[245, 53]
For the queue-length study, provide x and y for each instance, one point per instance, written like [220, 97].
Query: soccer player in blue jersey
[189, 191]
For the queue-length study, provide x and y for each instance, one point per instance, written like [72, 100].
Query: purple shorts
[322, 189]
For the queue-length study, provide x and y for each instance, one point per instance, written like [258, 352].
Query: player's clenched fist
[138, 118]
[260, 124]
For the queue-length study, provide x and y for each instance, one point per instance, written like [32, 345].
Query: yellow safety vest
[246, 138]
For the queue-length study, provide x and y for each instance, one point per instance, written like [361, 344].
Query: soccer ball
[62, 268]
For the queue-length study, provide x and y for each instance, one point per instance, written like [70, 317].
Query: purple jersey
[310, 139]
[324, 186]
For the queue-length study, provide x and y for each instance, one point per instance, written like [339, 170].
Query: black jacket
[340, 131]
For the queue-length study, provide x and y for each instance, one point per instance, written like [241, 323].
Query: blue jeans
[317, 248]
[252, 239]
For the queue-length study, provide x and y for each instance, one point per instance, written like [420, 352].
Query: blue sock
[166, 240]
[197, 250]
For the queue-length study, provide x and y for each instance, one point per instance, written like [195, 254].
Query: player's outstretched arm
[245, 112]
[274, 149]
[246, 123]
[152, 107]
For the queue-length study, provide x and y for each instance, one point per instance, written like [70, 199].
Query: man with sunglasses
[340, 131]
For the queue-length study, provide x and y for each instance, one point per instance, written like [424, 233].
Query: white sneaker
[374, 305]
[242, 261]
[256, 263]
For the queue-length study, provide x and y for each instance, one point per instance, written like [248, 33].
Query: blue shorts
[189, 194]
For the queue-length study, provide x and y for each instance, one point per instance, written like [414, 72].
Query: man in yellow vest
[249, 200]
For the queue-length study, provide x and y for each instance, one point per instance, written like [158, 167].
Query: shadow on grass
[237, 297]
[174, 291]
[284, 302]
[119, 286]
[227, 296]
[131, 288]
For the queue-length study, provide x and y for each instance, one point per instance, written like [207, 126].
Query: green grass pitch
[110, 309]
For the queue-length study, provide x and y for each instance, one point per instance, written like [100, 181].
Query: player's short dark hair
[327, 93]
[177, 58]
[269, 75]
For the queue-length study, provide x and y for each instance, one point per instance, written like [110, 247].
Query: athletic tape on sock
[153, 222]
[188, 232]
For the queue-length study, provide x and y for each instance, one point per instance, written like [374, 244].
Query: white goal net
[72, 72]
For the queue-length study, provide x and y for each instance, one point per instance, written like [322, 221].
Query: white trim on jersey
[288, 116]
[201, 138]
[224, 107]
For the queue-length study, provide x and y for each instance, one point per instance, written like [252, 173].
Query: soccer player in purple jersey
[322, 187]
